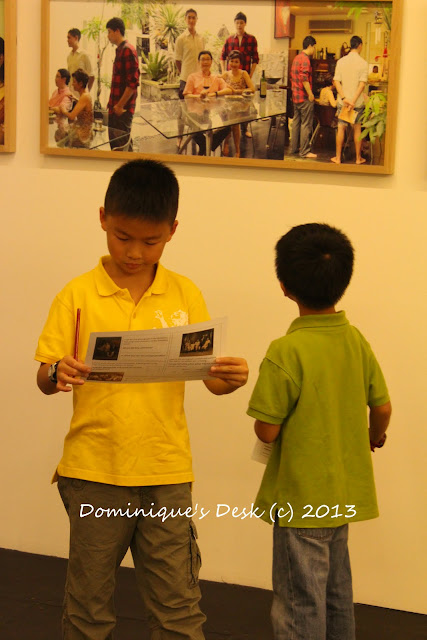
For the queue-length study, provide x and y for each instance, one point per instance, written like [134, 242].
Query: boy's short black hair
[116, 24]
[191, 11]
[240, 16]
[355, 42]
[308, 41]
[315, 264]
[144, 189]
[76, 33]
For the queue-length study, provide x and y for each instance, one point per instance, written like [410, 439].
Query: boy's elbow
[267, 433]
[382, 412]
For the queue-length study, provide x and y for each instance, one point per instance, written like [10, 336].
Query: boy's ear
[102, 217]
[287, 293]
[173, 229]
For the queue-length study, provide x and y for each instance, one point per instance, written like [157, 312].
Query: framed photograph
[7, 75]
[284, 20]
[138, 88]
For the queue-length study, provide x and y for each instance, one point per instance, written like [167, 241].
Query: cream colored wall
[230, 220]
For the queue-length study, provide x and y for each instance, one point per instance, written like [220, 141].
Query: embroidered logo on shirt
[177, 319]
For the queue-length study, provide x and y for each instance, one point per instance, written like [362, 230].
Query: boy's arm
[229, 374]
[379, 418]
[267, 432]
[68, 372]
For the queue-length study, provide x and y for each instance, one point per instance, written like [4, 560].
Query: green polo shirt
[317, 381]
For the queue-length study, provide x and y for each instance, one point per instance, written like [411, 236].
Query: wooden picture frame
[8, 86]
[269, 146]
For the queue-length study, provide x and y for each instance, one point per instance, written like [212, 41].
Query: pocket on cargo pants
[195, 559]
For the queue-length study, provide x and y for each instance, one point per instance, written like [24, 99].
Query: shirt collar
[319, 321]
[107, 287]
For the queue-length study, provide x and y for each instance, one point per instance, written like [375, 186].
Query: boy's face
[73, 41]
[240, 27]
[113, 36]
[135, 246]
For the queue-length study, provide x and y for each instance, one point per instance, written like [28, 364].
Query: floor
[263, 146]
[31, 588]
[266, 144]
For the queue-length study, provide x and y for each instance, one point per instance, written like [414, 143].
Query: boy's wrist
[379, 444]
[52, 372]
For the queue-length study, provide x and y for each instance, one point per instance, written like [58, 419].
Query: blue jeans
[302, 127]
[312, 591]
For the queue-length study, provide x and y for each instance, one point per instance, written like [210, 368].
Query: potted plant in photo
[155, 65]
[169, 23]
[96, 30]
[374, 122]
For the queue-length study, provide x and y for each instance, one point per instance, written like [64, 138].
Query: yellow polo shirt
[123, 434]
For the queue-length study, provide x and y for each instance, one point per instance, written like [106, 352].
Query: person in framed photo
[187, 48]
[351, 77]
[62, 95]
[203, 85]
[78, 58]
[248, 46]
[303, 100]
[239, 81]
[81, 117]
[124, 84]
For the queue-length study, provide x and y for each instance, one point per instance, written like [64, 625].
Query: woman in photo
[81, 116]
[327, 97]
[239, 81]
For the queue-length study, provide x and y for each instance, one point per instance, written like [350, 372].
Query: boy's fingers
[62, 387]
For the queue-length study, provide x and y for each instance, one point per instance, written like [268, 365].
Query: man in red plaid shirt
[124, 83]
[248, 47]
[303, 100]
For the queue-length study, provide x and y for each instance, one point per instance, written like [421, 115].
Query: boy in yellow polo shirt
[128, 446]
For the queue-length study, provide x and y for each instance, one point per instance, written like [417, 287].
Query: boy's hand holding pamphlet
[158, 355]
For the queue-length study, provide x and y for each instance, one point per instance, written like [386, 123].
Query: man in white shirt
[78, 59]
[187, 48]
[351, 76]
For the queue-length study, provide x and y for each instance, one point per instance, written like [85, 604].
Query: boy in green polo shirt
[126, 466]
[310, 400]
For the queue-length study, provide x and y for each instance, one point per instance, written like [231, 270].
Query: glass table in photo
[191, 116]
[99, 137]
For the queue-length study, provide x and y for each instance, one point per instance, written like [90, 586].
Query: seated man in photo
[204, 84]
[62, 96]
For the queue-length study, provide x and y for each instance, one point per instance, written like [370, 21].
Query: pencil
[76, 336]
